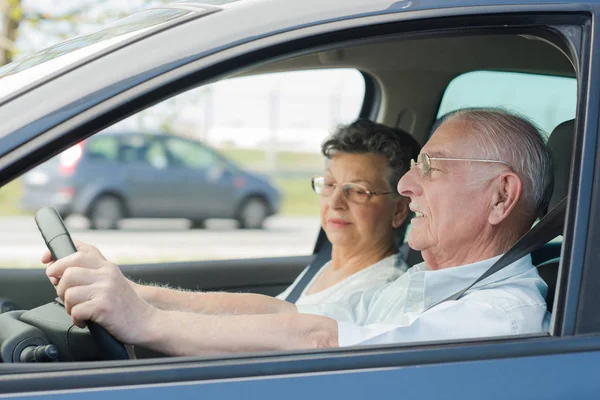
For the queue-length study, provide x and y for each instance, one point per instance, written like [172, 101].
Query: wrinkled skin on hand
[93, 288]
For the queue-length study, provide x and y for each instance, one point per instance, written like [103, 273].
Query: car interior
[406, 77]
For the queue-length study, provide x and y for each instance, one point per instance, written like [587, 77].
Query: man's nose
[408, 185]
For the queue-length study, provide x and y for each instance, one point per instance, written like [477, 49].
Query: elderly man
[477, 186]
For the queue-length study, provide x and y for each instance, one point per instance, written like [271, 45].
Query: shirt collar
[442, 283]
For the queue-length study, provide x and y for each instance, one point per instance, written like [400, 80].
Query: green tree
[12, 15]
[65, 21]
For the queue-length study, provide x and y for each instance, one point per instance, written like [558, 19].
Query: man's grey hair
[363, 136]
[508, 137]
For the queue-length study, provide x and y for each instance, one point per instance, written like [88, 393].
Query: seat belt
[549, 227]
[323, 251]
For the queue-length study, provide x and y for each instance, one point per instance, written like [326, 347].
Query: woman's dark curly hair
[397, 146]
[363, 136]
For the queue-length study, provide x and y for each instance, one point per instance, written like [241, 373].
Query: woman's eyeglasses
[424, 162]
[353, 192]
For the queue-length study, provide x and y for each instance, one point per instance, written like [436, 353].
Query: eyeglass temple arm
[468, 159]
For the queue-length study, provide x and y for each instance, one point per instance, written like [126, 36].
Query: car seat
[547, 258]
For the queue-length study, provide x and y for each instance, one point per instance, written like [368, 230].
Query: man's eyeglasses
[424, 162]
[353, 192]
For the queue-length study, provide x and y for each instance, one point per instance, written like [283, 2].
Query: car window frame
[484, 349]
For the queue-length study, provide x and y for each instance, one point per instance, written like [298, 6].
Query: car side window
[189, 154]
[259, 135]
[102, 149]
[156, 155]
[132, 149]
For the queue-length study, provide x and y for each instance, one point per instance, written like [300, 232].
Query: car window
[132, 148]
[102, 149]
[189, 154]
[260, 138]
[545, 100]
[156, 155]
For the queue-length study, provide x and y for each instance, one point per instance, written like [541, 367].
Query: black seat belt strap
[549, 227]
[323, 251]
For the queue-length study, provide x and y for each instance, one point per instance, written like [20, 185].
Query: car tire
[106, 212]
[252, 213]
[198, 224]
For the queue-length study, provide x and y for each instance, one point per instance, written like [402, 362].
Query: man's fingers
[78, 323]
[88, 248]
[82, 312]
[80, 246]
[47, 257]
[79, 259]
[73, 277]
[76, 295]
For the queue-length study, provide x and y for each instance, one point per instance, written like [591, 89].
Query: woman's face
[361, 226]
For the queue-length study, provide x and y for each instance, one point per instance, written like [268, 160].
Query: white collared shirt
[384, 271]
[509, 302]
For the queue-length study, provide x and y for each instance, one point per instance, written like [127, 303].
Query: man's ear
[506, 195]
[400, 212]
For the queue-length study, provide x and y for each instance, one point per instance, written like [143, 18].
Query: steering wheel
[46, 333]
[59, 242]
[110, 347]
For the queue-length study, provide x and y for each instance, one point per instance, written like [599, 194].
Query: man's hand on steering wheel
[93, 288]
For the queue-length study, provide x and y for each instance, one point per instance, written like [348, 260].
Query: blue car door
[205, 186]
[144, 168]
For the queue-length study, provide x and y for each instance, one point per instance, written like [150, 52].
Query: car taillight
[69, 159]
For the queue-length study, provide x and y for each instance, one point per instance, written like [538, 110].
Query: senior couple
[476, 186]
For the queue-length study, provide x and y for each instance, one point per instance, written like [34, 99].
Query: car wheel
[198, 224]
[106, 212]
[253, 213]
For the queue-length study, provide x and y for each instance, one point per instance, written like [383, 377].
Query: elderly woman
[362, 214]
[473, 196]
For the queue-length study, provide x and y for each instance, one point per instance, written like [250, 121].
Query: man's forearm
[212, 302]
[182, 333]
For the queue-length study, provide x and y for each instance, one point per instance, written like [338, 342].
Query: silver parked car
[113, 176]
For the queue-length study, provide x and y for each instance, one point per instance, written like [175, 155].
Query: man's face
[451, 214]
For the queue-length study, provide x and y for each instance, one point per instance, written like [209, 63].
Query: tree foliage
[65, 20]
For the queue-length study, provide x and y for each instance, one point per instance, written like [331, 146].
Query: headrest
[560, 145]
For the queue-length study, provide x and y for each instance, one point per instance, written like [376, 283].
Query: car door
[144, 165]
[541, 366]
[206, 187]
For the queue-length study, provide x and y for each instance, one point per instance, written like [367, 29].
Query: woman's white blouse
[380, 273]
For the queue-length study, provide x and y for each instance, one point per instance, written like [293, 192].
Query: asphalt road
[150, 240]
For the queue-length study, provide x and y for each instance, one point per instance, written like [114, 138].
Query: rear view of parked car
[112, 176]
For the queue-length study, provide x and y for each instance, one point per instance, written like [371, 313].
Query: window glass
[189, 154]
[545, 100]
[156, 155]
[132, 149]
[103, 149]
[251, 145]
